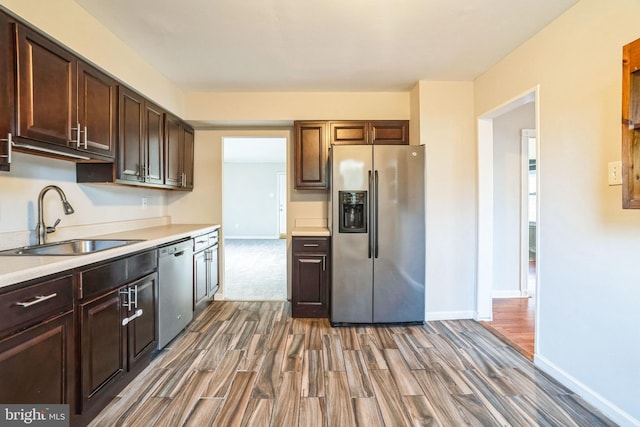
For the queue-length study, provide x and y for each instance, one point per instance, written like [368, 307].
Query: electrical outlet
[615, 173]
[144, 202]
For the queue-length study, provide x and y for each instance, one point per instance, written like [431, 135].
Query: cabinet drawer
[142, 264]
[205, 240]
[114, 274]
[29, 305]
[310, 244]
[102, 278]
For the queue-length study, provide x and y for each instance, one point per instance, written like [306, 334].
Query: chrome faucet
[41, 229]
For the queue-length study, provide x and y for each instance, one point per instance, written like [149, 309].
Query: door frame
[525, 135]
[484, 267]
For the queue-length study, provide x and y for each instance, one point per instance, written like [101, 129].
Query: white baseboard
[609, 409]
[448, 315]
[507, 294]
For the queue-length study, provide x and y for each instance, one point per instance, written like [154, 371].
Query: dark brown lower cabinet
[118, 335]
[311, 276]
[36, 365]
[102, 346]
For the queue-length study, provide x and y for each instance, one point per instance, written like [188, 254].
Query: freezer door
[399, 224]
[352, 268]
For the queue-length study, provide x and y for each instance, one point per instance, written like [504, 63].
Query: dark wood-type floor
[514, 322]
[250, 364]
[514, 319]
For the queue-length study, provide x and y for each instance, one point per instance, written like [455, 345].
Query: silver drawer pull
[38, 300]
[131, 318]
[311, 245]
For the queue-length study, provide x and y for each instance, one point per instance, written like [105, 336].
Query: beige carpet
[255, 269]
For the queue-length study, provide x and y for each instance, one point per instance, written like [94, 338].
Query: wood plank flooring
[514, 322]
[250, 364]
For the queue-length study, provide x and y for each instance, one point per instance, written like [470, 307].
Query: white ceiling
[322, 45]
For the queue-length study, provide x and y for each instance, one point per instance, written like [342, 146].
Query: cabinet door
[46, 89]
[154, 143]
[212, 271]
[389, 132]
[36, 365]
[187, 158]
[199, 277]
[310, 155]
[309, 290]
[130, 143]
[631, 125]
[7, 94]
[350, 132]
[173, 137]
[102, 346]
[97, 121]
[142, 331]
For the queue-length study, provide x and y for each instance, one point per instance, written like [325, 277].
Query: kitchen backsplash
[94, 204]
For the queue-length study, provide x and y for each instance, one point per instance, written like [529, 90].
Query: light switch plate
[615, 173]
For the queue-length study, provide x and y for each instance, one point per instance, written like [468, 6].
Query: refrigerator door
[352, 268]
[399, 224]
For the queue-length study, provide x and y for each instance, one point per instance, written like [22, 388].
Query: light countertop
[311, 231]
[16, 269]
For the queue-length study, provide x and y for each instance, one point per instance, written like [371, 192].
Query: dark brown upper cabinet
[350, 132]
[141, 141]
[631, 125]
[7, 94]
[96, 112]
[389, 132]
[381, 132]
[178, 149]
[310, 155]
[63, 103]
[312, 140]
[46, 89]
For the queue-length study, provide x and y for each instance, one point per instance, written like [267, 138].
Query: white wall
[93, 203]
[507, 176]
[447, 131]
[589, 317]
[251, 199]
[71, 25]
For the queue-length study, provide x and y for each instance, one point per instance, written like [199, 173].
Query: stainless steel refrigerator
[378, 234]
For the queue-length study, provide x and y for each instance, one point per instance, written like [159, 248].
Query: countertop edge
[18, 269]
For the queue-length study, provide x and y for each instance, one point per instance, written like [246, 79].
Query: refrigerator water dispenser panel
[353, 211]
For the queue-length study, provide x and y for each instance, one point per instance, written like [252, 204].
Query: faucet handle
[52, 228]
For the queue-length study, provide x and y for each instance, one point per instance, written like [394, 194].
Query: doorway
[253, 209]
[508, 226]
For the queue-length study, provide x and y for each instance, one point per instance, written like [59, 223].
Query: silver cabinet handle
[86, 137]
[311, 245]
[9, 141]
[38, 300]
[131, 318]
[77, 140]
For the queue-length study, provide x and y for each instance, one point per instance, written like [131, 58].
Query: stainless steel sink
[68, 247]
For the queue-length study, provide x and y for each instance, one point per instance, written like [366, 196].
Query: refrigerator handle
[375, 233]
[370, 229]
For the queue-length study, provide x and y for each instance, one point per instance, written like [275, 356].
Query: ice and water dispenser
[353, 211]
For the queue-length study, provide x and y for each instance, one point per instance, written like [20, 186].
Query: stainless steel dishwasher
[175, 290]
